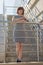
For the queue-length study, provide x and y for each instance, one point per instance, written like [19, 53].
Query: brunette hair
[20, 8]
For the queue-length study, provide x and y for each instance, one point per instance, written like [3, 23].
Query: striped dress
[19, 32]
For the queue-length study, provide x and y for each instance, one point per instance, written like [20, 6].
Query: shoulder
[17, 16]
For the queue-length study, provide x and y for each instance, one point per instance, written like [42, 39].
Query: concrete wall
[40, 5]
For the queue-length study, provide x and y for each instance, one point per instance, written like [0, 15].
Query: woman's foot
[18, 60]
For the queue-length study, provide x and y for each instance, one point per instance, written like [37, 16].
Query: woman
[19, 33]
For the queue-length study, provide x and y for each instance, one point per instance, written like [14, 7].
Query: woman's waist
[19, 26]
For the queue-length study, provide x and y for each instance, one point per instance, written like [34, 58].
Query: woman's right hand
[19, 20]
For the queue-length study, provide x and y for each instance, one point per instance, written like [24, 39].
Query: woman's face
[20, 12]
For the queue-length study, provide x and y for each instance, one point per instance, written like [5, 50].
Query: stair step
[29, 52]
[25, 59]
[24, 48]
[28, 40]
[24, 54]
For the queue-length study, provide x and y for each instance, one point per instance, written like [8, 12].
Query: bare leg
[19, 50]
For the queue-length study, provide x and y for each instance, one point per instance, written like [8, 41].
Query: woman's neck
[20, 15]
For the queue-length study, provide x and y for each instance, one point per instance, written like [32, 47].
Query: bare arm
[19, 20]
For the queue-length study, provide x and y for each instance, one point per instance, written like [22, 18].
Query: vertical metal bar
[4, 28]
[40, 41]
[37, 45]
[4, 31]
[42, 16]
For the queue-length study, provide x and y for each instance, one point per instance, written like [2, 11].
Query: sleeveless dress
[19, 32]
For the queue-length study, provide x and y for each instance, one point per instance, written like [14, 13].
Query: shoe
[18, 60]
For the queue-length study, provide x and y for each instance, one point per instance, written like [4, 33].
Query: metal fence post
[37, 45]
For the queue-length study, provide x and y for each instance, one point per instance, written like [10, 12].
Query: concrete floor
[23, 63]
